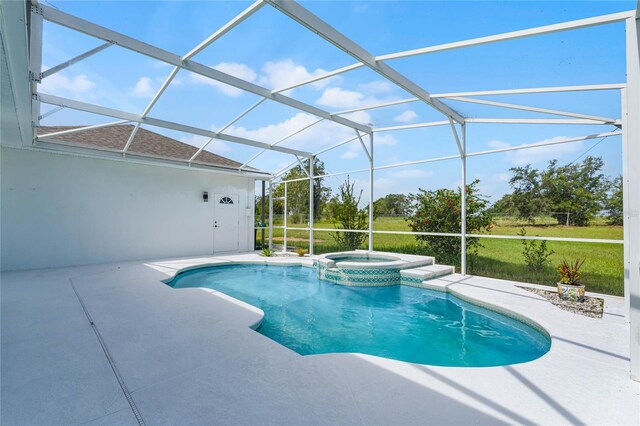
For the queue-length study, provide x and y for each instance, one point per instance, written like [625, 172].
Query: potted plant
[569, 287]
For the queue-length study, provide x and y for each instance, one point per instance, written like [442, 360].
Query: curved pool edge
[476, 300]
[504, 311]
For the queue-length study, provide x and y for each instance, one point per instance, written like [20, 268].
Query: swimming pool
[410, 324]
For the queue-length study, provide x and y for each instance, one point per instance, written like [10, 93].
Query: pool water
[361, 259]
[422, 326]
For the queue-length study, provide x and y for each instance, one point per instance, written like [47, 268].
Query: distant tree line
[579, 190]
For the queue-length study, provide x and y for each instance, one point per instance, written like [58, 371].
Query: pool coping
[190, 355]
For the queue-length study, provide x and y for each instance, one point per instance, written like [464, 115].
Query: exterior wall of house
[62, 210]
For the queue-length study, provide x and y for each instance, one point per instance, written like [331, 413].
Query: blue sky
[273, 51]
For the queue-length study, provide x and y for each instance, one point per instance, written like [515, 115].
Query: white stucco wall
[59, 210]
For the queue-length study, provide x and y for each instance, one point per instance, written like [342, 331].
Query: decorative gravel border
[590, 307]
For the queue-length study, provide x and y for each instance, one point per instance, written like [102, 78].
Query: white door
[226, 223]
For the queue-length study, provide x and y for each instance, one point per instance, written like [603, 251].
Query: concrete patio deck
[189, 356]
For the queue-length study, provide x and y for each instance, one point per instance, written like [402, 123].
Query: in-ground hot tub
[363, 268]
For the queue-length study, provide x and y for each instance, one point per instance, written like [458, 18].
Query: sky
[272, 51]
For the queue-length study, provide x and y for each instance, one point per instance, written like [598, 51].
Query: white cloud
[355, 149]
[238, 70]
[406, 117]
[350, 154]
[496, 144]
[274, 132]
[321, 135]
[540, 154]
[274, 75]
[143, 88]
[377, 86]
[383, 183]
[380, 140]
[410, 173]
[285, 72]
[336, 97]
[59, 82]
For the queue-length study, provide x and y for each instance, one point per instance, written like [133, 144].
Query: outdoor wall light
[205, 196]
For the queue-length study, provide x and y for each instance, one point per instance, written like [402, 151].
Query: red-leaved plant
[570, 271]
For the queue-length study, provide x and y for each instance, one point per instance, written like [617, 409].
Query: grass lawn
[603, 267]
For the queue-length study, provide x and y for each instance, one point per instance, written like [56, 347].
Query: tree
[578, 189]
[613, 203]
[298, 192]
[439, 211]
[504, 206]
[527, 200]
[392, 205]
[349, 215]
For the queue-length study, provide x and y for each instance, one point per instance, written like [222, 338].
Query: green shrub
[535, 252]
[439, 211]
[348, 215]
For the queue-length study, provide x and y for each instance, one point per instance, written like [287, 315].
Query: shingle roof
[148, 143]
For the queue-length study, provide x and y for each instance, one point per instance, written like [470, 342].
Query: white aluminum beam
[247, 111]
[547, 29]
[513, 35]
[203, 45]
[35, 60]
[382, 105]
[584, 88]
[631, 187]
[371, 180]
[322, 151]
[534, 109]
[290, 135]
[471, 154]
[78, 150]
[48, 113]
[453, 234]
[539, 144]
[284, 170]
[13, 18]
[413, 163]
[366, 151]
[319, 77]
[271, 214]
[95, 109]
[457, 138]
[412, 126]
[132, 136]
[538, 121]
[311, 204]
[463, 201]
[253, 8]
[160, 91]
[74, 60]
[82, 129]
[132, 44]
[324, 30]
[302, 167]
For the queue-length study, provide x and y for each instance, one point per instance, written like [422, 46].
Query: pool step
[416, 276]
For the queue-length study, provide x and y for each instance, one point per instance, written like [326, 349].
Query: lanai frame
[628, 124]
